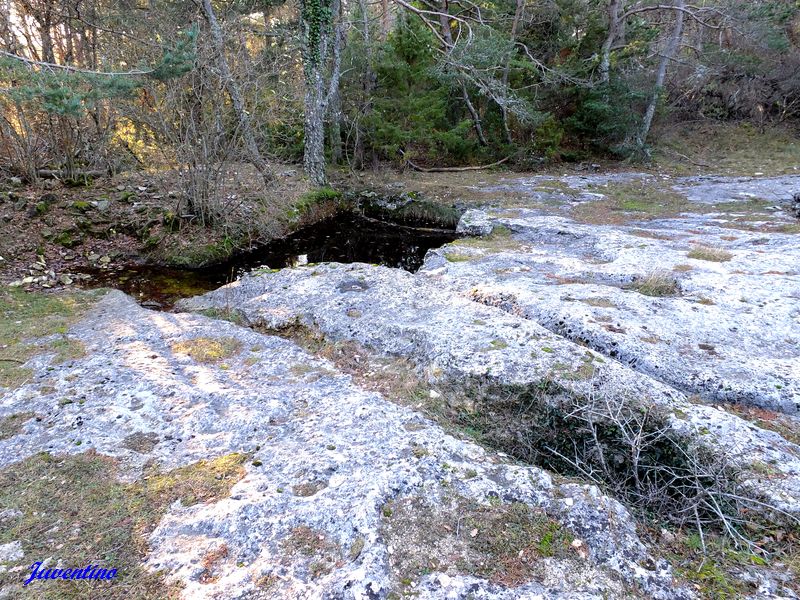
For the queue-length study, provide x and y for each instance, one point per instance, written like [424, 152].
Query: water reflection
[348, 238]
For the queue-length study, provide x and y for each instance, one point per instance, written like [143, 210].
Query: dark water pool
[346, 238]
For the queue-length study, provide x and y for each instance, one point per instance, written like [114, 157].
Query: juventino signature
[89, 572]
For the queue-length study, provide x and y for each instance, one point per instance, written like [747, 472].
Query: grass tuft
[708, 253]
[657, 283]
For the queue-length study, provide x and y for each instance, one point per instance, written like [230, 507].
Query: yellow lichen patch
[208, 350]
[500, 240]
[455, 256]
[75, 510]
[203, 481]
[599, 302]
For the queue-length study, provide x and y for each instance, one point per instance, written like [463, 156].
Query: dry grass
[710, 254]
[501, 542]
[630, 201]
[786, 426]
[651, 234]
[211, 561]
[323, 555]
[75, 510]
[657, 284]
[12, 424]
[728, 149]
[394, 378]
[26, 317]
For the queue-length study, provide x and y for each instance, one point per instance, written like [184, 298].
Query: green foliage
[607, 116]
[548, 136]
[317, 18]
[179, 58]
[312, 198]
[415, 111]
[73, 92]
[61, 92]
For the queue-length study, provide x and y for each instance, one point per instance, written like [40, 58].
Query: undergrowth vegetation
[670, 481]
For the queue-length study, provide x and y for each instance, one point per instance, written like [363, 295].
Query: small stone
[580, 547]
[667, 537]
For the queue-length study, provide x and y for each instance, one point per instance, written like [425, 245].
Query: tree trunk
[232, 88]
[315, 56]
[314, 129]
[45, 23]
[386, 20]
[334, 100]
[370, 83]
[506, 69]
[613, 34]
[669, 53]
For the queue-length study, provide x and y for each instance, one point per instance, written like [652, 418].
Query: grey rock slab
[12, 551]
[717, 190]
[732, 335]
[478, 334]
[327, 455]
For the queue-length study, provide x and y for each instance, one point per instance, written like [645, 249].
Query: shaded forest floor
[51, 233]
